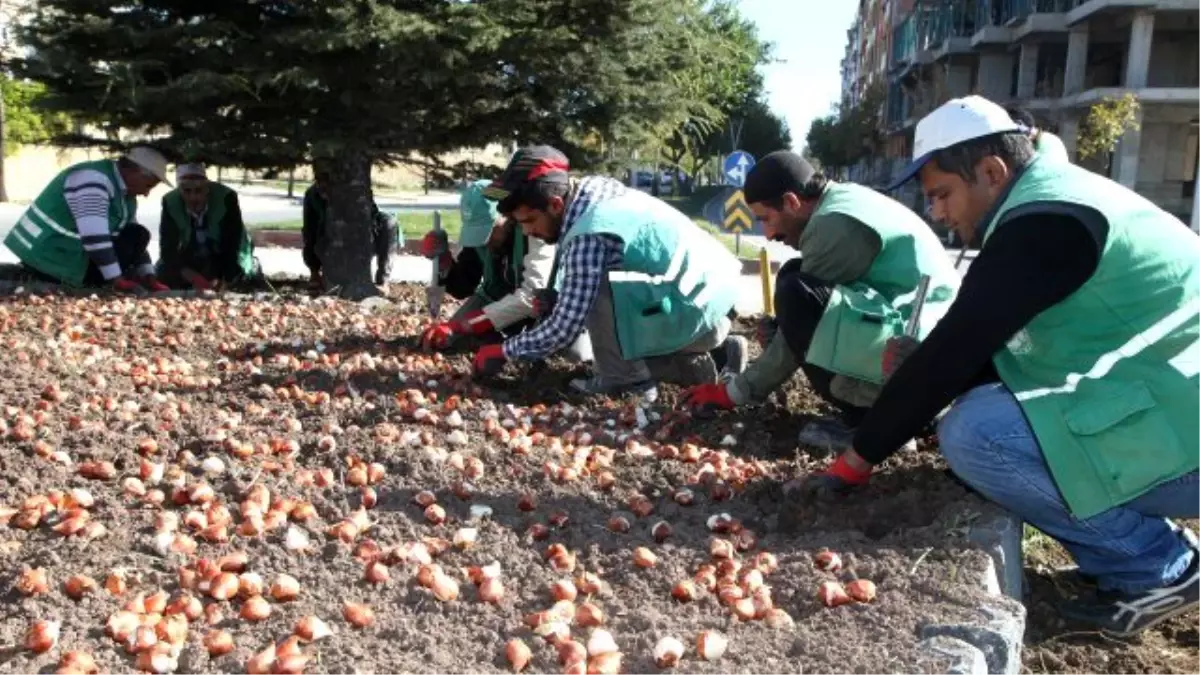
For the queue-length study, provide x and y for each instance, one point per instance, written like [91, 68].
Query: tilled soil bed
[180, 441]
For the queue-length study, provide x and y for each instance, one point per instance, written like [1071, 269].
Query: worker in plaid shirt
[653, 290]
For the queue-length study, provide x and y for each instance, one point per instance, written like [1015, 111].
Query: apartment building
[1055, 58]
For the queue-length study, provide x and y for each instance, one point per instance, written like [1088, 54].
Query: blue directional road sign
[736, 166]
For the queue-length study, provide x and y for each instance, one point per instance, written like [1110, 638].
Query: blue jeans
[1130, 548]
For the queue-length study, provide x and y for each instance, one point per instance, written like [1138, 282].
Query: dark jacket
[230, 254]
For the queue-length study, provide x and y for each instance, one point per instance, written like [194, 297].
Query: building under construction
[1056, 58]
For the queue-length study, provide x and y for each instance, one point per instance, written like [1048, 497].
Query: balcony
[933, 30]
[1005, 21]
[1082, 10]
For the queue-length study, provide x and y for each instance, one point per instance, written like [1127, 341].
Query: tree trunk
[346, 258]
[291, 183]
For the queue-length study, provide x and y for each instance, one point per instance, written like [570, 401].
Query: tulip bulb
[711, 645]
[42, 636]
[518, 654]
[255, 609]
[644, 557]
[667, 652]
[491, 590]
[357, 614]
[285, 589]
[311, 629]
[218, 642]
[832, 594]
[861, 590]
[588, 615]
[601, 642]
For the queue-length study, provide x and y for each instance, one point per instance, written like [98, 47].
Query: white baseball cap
[195, 171]
[151, 160]
[956, 121]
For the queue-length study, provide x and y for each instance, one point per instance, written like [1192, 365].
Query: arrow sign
[738, 216]
[736, 166]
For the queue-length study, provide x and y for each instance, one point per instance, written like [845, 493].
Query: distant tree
[281, 83]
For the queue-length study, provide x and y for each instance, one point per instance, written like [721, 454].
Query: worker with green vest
[203, 242]
[1070, 362]
[653, 290]
[82, 231]
[498, 273]
[853, 287]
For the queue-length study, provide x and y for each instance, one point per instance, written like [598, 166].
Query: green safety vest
[860, 317]
[213, 217]
[494, 286]
[676, 282]
[1108, 378]
[46, 237]
[1051, 147]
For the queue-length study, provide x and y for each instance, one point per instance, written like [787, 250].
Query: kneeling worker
[863, 255]
[202, 239]
[81, 230]
[498, 273]
[1070, 362]
[653, 290]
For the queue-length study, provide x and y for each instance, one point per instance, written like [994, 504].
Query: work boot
[734, 356]
[1127, 614]
[835, 435]
[828, 433]
[684, 370]
[599, 386]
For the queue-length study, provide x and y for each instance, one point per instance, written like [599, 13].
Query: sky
[810, 40]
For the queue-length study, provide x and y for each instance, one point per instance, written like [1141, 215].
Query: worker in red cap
[852, 289]
[653, 290]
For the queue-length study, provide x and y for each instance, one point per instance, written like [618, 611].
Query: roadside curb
[292, 239]
[998, 635]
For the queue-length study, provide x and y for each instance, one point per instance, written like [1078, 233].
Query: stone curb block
[999, 533]
[999, 635]
[966, 659]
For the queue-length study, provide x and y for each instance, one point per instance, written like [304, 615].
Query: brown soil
[187, 373]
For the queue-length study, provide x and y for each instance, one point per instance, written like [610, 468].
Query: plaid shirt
[585, 259]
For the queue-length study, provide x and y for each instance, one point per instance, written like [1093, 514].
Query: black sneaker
[1126, 615]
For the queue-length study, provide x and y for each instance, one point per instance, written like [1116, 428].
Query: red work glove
[838, 479]
[490, 360]
[707, 397]
[896, 352]
[474, 323]
[199, 283]
[153, 284]
[438, 336]
[436, 244]
[124, 285]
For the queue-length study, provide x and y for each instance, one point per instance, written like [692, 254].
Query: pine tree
[279, 83]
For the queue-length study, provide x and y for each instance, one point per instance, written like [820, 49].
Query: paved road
[259, 205]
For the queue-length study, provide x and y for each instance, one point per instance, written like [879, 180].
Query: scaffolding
[929, 24]
[1001, 12]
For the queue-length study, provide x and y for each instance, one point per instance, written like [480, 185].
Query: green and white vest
[214, 215]
[676, 283]
[1109, 378]
[862, 316]
[46, 237]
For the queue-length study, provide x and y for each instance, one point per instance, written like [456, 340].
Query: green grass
[414, 225]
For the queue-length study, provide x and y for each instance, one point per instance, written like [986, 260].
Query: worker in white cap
[82, 230]
[203, 242]
[1070, 362]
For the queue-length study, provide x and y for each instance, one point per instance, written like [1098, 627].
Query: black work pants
[800, 301]
[131, 245]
